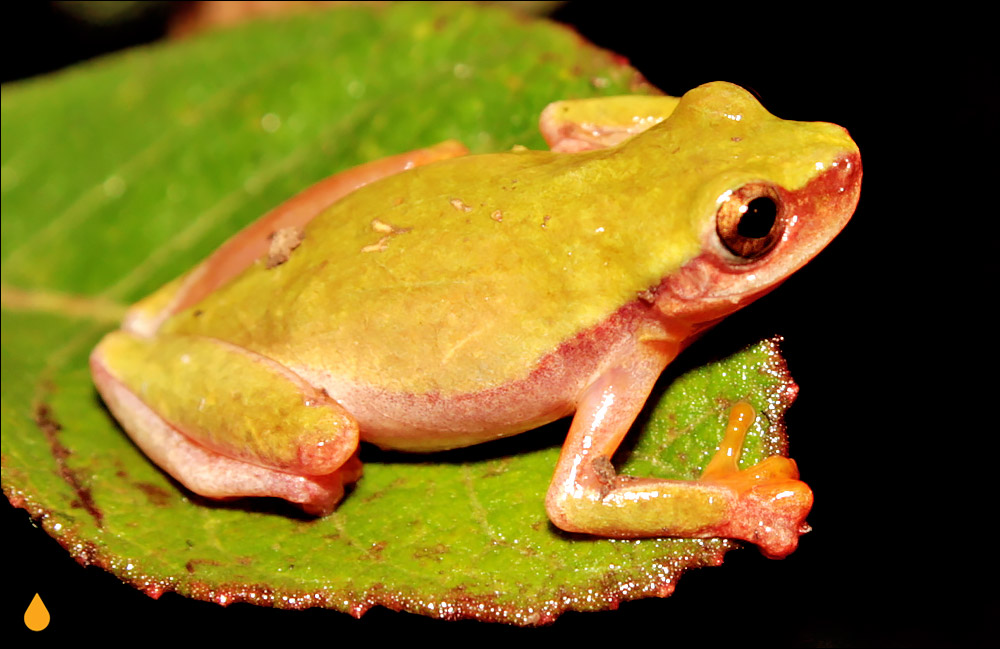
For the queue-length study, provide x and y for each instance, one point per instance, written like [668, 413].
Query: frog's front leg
[226, 422]
[764, 504]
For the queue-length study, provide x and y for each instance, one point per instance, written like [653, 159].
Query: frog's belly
[434, 421]
[427, 422]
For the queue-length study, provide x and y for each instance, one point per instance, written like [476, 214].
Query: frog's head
[771, 195]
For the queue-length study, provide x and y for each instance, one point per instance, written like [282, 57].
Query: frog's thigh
[598, 122]
[227, 422]
[765, 504]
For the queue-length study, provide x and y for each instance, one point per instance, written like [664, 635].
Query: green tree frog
[435, 300]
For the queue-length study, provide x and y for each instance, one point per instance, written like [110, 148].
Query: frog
[435, 300]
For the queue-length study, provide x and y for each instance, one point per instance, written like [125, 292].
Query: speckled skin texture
[481, 297]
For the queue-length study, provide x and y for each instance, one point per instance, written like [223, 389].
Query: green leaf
[120, 174]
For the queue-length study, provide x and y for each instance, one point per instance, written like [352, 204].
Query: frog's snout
[819, 211]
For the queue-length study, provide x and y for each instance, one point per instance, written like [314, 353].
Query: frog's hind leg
[266, 236]
[765, 504]
[226, 422]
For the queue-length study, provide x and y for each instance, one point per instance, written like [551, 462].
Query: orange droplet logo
[36, 617]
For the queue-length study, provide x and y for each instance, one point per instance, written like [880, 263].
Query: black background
[886, 334]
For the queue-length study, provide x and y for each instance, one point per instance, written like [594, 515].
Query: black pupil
[759, 218]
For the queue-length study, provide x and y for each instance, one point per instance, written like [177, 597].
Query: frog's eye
[749, 220]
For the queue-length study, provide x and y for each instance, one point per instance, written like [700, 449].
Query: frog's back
[441, 276]
[463, 275]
